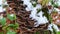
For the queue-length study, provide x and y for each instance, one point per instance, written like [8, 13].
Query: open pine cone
[26, 24]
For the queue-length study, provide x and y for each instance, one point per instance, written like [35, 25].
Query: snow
[58, 2]
[29, 5]
[50, 27]
[58, 10]
[54, 26]
[41, 19]
[2, 3]
[1, 9]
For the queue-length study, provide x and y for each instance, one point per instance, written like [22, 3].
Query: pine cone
[26, 24]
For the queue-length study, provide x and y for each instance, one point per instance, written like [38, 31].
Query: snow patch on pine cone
[41, 19]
